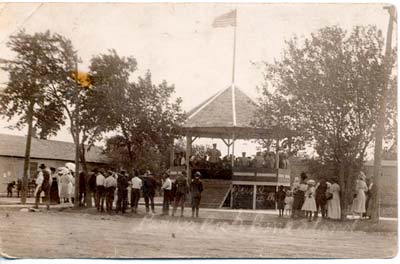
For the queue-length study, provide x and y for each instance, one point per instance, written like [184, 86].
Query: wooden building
[50, 152]
[227, 115]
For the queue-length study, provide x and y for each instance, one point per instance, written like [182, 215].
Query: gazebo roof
[226, 114]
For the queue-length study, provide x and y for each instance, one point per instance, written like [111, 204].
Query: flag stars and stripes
[225, 20]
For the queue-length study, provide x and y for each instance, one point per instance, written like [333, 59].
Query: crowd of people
[212, 159]
[117, 191]
[308, 199]
[112, 190]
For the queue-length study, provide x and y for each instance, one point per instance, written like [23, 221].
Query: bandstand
[227, 115]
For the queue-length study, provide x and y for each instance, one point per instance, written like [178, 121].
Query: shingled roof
[14, 146]
[228, 112]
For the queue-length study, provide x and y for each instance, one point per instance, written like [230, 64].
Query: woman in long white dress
[359, 201]
[334, 201]
[71, 187]
[65, 181]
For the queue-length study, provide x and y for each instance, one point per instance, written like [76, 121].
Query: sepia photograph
[198, 130]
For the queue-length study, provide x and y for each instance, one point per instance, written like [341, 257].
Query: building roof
[14, 146]
[228, 112]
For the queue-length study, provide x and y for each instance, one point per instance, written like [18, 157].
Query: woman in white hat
[358, 206]
[309, 205]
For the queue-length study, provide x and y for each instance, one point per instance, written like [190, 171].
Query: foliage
[139, 112]
[198, 150]
[329, 86]
[42, 61]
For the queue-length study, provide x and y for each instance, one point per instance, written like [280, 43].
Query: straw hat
[311, 182]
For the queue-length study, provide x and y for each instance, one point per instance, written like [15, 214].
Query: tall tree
[332, 83]
[141, 113]
[147, 122]
[42, 60]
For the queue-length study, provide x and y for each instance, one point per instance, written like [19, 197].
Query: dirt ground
[81, 234]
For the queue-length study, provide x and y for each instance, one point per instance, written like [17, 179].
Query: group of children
[305, 198]
[284, 201]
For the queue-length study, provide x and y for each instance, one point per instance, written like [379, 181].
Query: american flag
[225, 20]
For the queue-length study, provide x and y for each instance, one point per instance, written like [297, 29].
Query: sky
[177, 42]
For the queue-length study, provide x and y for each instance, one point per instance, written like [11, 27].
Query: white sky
[176, 42]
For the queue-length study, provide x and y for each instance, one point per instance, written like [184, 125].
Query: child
[309, 205]
[288, 203]
[280, 200]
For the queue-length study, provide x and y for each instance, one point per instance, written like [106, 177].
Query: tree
[198, 150]
[42, 61]
[148, 157]
[277, 114]
[141, 113]
[331, 84]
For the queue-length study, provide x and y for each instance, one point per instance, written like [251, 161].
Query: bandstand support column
[188, 154]
[277, 154]
[277, 167]
[233, 150]
[172, 154]
[254, 196]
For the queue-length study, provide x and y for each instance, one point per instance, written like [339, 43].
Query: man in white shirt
[100, 190]
[135, 193]
[42, 185]
[166, 187]
[110, 184]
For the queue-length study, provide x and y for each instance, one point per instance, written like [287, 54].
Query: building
[228, 116]
[50, 152]
[388, 185]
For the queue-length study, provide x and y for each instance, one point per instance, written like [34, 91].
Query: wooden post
[277, 154]
[77, 127]
[25, 186]
[172, 154]
[277, 167]
[380, 122]
[254, 196]
[233, 150]
[188, 153]
[231, 205]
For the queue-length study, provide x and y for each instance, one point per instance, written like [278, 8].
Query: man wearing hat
[43, 185]
[182, 189]
[166, 187]
[110, 184]
[196, 187]
[213, 155]
[100, 190]
[122, 185]
[149, 191]
[135, 192]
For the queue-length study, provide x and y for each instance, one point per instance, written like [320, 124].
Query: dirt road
[81, 235]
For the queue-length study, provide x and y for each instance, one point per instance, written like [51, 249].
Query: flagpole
[234, 50]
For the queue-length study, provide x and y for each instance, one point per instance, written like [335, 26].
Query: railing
[276, 176]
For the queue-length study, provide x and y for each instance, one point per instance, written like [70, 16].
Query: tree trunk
[343, 200]
[88, 197]
[24, 189]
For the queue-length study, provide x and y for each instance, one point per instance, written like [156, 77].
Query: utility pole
[380, 123]
[77, 99]
[25, 186]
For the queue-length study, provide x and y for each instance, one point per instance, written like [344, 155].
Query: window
[33, 167]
